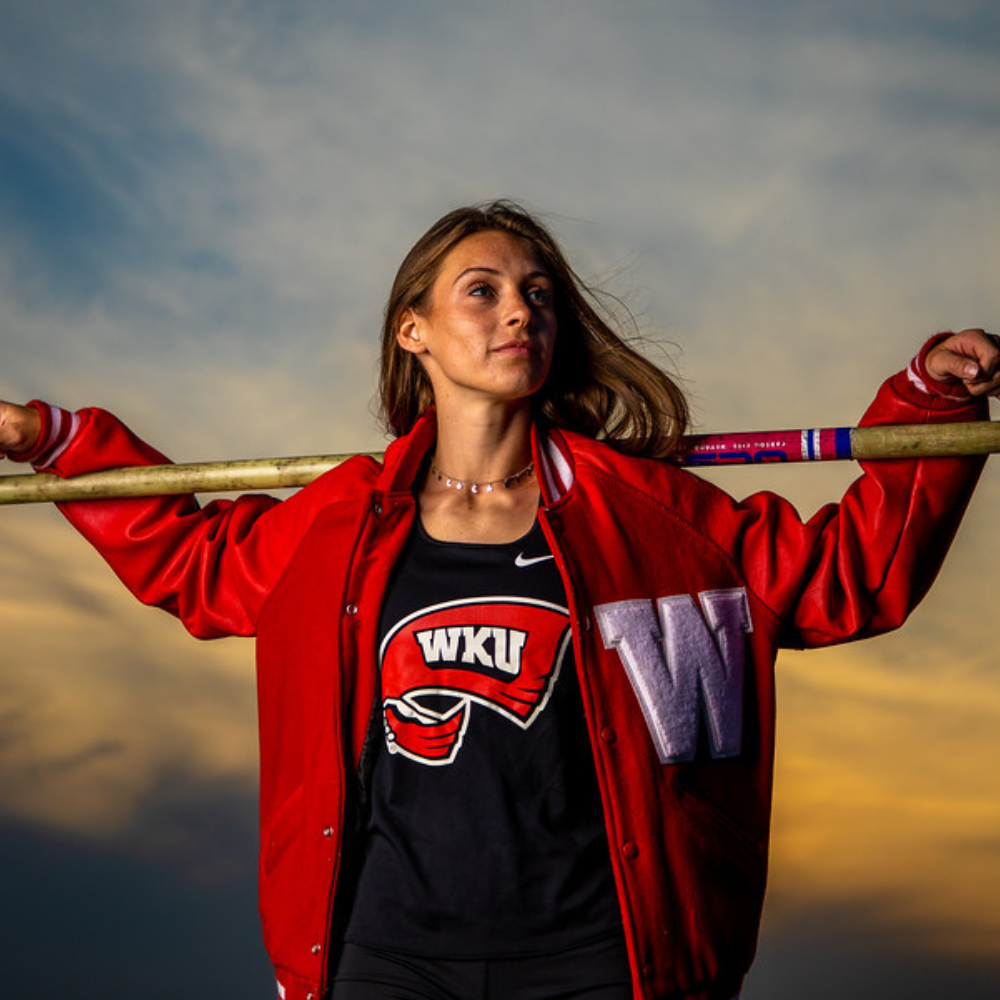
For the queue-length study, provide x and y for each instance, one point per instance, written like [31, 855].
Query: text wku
[484, 646]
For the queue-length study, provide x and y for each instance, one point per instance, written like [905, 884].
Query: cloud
[103, 698]
[880, 776]
[201, 209]
[796, 182]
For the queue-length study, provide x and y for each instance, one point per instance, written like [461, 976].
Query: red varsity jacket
[679, 596]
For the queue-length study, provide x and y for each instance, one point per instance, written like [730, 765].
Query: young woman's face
[490, 326]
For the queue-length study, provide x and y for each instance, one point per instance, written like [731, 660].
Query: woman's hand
[19, 428]
[971, 357]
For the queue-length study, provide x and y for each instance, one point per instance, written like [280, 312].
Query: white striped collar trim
[557, 471]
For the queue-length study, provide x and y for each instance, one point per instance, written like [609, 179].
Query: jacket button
[608, 735]
[630, 850]
[316, 949]
[351, 609]
[328, 831]
[377, 509]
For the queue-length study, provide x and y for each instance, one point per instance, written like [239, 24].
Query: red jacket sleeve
[212, 566]
[859, 567]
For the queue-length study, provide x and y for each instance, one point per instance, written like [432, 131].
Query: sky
[202, 205]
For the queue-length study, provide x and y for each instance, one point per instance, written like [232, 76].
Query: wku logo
[502, 654]
[684, 663]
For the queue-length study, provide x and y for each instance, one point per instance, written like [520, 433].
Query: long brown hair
[598, 384]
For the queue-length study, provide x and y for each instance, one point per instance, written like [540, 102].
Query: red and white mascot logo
[504, 654]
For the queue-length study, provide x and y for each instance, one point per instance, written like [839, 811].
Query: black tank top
[485, 836]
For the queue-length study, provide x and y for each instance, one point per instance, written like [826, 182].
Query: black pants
[598, 971]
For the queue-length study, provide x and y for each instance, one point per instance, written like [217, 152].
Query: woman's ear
[408, 333]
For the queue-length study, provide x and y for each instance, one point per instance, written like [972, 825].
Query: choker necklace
[460, 484]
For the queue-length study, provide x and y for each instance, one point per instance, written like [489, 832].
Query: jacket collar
[406, 454]
[554, 462]
[549, 448]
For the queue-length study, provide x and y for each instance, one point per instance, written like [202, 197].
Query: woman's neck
[486, 446]
[481, 448]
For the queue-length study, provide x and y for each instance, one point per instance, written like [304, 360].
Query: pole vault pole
[698, 451]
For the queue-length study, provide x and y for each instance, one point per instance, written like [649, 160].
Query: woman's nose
[518, 310]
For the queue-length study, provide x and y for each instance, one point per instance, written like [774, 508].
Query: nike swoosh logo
[520, 562]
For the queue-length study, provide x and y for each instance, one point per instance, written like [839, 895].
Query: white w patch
[684, 664]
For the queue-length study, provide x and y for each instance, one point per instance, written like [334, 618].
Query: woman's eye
[540, 296]
[481, 290]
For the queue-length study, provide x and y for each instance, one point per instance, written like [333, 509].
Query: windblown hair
[598, 384]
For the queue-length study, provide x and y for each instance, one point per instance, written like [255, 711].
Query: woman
[516, 684]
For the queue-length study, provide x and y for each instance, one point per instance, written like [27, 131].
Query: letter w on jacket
[688, 665]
